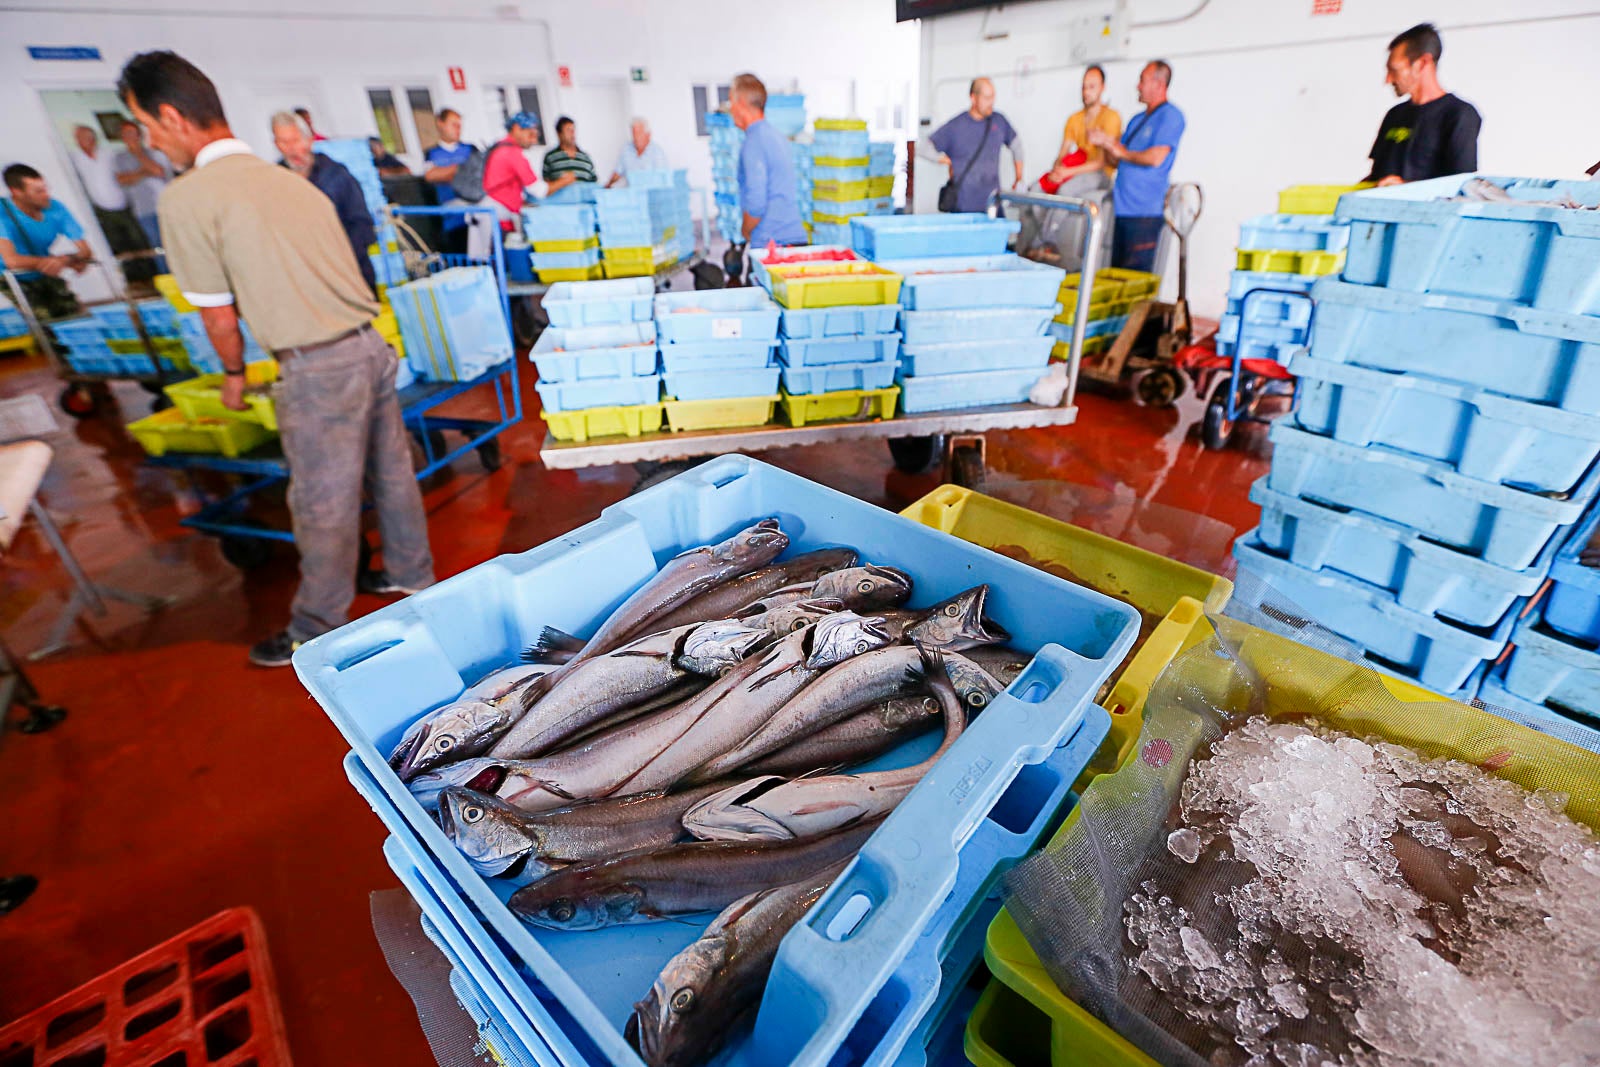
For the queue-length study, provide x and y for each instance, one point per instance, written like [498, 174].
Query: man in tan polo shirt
[244, 237]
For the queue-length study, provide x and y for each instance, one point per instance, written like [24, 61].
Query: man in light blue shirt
[1144, 156]
[767, 184]
[642, 154]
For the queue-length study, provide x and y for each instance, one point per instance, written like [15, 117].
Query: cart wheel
[243, 551]
[41, 717]
[1217, 429]
[524, 325]
[1158, 387]
[489, 455]
[966, 469]
[78, 401]
[435, 442]
[913, 455]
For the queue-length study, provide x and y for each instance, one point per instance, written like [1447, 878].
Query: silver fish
[725, 600]
[785, 620]
[706, 991]
[1002, 661]
[772, 809]
[868, 588]
[661, 749]
[958, 623]
[497, 685]
[481, 773]
[863, 736]
[716, 647]
[467, 725]
[678, 880]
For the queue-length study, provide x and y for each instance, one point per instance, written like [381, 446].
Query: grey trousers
[340, 425]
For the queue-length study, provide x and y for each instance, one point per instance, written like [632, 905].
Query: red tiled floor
[185, 781]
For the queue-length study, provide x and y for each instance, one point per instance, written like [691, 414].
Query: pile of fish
[693, 755]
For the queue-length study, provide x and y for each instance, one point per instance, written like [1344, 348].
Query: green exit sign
[638, 74]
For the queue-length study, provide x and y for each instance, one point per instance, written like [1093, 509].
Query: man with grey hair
[293, 137]
[969, 145]
[768, 192]
[642, 154]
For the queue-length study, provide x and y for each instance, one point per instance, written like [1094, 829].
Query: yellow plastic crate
[840, 124]
[167, 286]
[826, 285]
[1315, 199]
[880, 186]
[201, 398]
[629, 421]
[644, 254]
[1281, 261]
[173, 431]
[833, 190]
[853, 405]
[837, 220]
[1092, 346]
[389, 329]
[574, 244]
[1113, 288]
[169, 347]
[590, 273]
[842, 161]
[719, 414]
[1032, 1021]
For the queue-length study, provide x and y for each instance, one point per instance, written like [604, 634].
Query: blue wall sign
[49, 51]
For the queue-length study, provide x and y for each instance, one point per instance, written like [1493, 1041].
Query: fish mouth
[409, 768]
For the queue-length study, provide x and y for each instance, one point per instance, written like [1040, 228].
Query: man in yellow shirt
[1075, 138]
[1081, 170]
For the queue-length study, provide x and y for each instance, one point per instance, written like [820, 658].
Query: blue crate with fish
[801, 324]
[721, 384]
[747, 314]
[916, 236]
[838, 377]
[1552, 669]
[702, 356]
[1294, 233]
[948, 282]
[975, 324]
[861, 971]
[601, 303]
[1483, 435]
[626, 390]
[1534, 242]
[613, 351]
[558, 222]
[1545, 356]
[964, 357]
[1425, 649]
[973, 389]
[1506, 526]
[1573, 606]
[1581, 730]
[1424, 576]
[453, 324]
[822, 351]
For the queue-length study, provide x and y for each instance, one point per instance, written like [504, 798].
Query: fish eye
[471, 813]
[978, 700]
[930, 704]
[562, 911]
[683, 1000]
[952, 610]
[444, 743]
[864, 585]
[862, 646]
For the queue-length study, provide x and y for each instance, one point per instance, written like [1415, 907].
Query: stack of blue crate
[12, 324]
[718, 344]
[565, 244]
[160, 322]
[1444, 444]
[355, 155]
[787, 113]
[202, 354]
[1291, 252]
[671, 222]
[804, 180]
[82, 341]
[726, 142]
[600, 351]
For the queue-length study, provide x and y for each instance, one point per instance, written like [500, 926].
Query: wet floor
[185, 781]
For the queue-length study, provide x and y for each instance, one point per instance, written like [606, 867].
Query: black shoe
[377, 583]
[275, 651]
[14, 889]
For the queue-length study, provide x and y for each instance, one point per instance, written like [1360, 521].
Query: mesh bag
[1113, 860]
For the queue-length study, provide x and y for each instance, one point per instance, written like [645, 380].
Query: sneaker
[377, 583]
[275, 651]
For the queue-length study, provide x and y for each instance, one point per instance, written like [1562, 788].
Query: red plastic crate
[206, 998]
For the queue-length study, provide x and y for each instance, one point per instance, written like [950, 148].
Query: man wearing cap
[508, 177]
[244, 237]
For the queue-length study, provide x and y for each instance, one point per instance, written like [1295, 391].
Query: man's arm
[1013, 141]
[353, 213]
[928, 148]
[222, 328]
[754, 188]
[51, 266]
[1461, 149]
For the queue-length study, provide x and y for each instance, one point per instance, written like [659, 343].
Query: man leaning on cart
[246, 237]
[30, 225]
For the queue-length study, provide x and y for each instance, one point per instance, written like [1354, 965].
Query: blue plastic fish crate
[975, 324]
[1416, 237]
[1436, 654]
[565, 260]
[1544, 356]
[834, 377]
[695, 357]
[721, 384]
[1558, 672]
[804, 324]
[635, 234]
[915, 236]
[1567, 725]
[453, 323]
[966, 357]
[1481, 434]
[1241, 282]
[830, 233]
[919, 882]
[1266, 332]
[977, 389]
[624, 350]
[1424, 576]
[1280, 352]
[1505, 526]
[622, 391]
[945, 283]
[746, 314]
[621, 199]
[1573, 607]
[571, 304]
[576, 193]
[840, 144]
[558, 222]
[821, 351]
[1294, 233]
[841, 174]
[12, 324]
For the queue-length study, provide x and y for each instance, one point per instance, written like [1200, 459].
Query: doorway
[600, 108]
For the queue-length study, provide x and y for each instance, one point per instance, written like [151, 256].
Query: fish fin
[932, 660]
[551, 641]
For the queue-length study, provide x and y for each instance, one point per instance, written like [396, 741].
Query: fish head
[675, 1025]
[975, 686]
[454, 732]
[865, 588]
[958, 623]
[837, 637]
[480, 773]
[490, 833]
[754, 546]
[822, 562]
[903, 711]
[779, 622]
[579, 899]
[714, 648]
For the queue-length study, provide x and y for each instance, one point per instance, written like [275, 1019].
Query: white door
[600, 108]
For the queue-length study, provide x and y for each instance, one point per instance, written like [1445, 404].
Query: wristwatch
[234, 373]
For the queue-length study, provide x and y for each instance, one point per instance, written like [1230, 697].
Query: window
[503, 101]
[387, 118]
[702, 105]
[421, 102]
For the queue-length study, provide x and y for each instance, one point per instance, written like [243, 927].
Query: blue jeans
[151, 225]
[1134, 241]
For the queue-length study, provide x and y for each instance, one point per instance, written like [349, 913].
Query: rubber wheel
[489, 455]
[913, 455]
[78, 401]
[14, 889]
[966, 469]
[1216, 430]
[1159, 387]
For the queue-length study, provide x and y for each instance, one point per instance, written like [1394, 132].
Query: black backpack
[468, 182]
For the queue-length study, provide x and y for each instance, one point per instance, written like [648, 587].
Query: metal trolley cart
[1237, 387]
[914, 440]
[246, 542]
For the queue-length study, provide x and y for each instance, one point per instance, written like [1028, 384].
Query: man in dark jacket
[293, 138]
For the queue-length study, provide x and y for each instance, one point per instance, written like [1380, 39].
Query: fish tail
[551, 642]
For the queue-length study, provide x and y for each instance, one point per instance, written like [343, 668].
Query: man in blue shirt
[292, 137]
[30, 225]
[443, 159]
[969, 145]
[1144, 155]
[767, 184]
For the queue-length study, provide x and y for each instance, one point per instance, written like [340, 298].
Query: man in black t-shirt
[1433, 133]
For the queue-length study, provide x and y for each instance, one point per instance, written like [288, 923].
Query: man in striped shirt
[565, 163]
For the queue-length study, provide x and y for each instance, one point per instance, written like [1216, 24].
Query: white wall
[844, 54]
[1276, 96]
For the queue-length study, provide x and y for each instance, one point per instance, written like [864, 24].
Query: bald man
[969, 145]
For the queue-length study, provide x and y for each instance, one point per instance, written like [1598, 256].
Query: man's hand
[1392, 179]
[52, 266]
[1058, 174]
[944, 160]
[233, 392]
[1100, 139]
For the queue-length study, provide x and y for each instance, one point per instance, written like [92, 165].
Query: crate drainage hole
[16, 1056]
[179, 1058]
[207, 954]
[843, 924]
[227, 1032]
[213, 993]
[147, 984]
[145, 1022]
[72, 1025]
[1034, 693]
[93, 1057]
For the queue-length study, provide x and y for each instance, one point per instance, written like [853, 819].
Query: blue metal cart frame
[245, 542]
[1243, 390]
